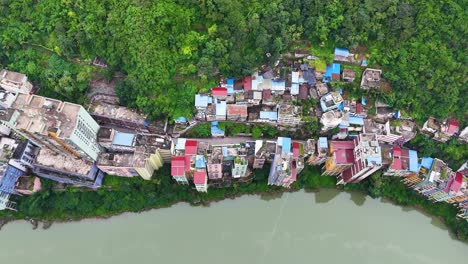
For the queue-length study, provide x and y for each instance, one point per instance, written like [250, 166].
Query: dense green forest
[169, 49]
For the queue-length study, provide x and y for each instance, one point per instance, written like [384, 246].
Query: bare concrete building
[15, 82]
[371, 78]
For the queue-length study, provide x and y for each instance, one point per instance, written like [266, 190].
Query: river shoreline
[271, 194]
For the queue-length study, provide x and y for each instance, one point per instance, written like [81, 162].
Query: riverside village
[355, 136]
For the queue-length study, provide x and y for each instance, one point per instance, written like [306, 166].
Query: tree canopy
[169, 49]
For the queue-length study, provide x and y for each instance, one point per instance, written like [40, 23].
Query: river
[324, 227]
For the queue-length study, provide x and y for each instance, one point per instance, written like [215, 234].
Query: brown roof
[303, 91]
[233, 109]
[266, 94]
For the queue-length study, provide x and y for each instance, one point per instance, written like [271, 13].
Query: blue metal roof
[9, 179]
[202, 100]
[200, 161]
[328, 73]
[336, 68]
[426, 162]
[221, 108]
[230, 85]
[341, 52]
[215, 130]
[269, 115]
[285, 144]
[413, 160]
[323, 142]
[354, 120]
[123, 139]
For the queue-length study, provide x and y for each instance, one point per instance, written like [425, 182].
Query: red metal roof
[396, 165]
[219, 91]
[191, 147]
[457, 182]
[199, 177]
[358, 108]
[178, 166]
[295, 146]
[233, 109]
[453, 127]
[247, 82]
[343, 156]
[342, 145]
[396, 151]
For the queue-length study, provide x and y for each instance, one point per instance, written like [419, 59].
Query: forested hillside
[171, 48]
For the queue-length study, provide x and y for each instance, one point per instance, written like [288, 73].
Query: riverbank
[121, 195]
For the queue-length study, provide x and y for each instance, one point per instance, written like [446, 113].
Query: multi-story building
[62, 127]
[289, 115]
[341, 157]
[184, 159]
[371, 78]
[130, 155]
[319, 154]
[67, 169]
[283, 170]
[367, 160]
[239, 168]
[404, 162]
[15, 82]
[200, 180]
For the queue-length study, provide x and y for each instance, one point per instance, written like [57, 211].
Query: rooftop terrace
[40, 114]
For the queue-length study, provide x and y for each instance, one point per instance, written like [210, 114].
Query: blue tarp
[363, 101]
[354, 120]
[341, 52]
[397, 114]
[364, 63]
[123, 139]
[181, 119]
[426, 162]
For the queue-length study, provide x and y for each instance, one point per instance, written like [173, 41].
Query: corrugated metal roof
[9, 179]
[354, 120]
[426, 162]
[123, 139]
[294, 89]
[202, 100]
[341, 52]
[323, 142]
[221, 108]
[269, 115]
[230, 85]
[286, 144]
[413, 160]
